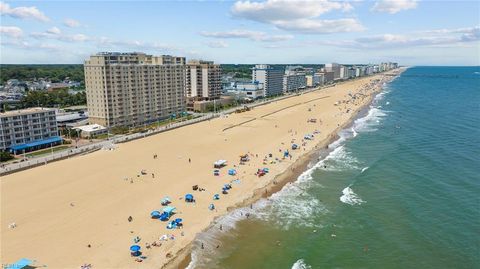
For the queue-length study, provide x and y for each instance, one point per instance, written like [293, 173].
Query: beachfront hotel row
[132, 89]
[137, 89]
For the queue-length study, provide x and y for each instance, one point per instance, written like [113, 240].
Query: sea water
[399, 189]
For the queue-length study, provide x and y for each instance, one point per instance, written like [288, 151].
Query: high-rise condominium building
[335, 68]
[294, 79]
[129, 89]
[271, 78]
[28, 129]
[203, 80]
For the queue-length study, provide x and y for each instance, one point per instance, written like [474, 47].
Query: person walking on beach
[189, 160]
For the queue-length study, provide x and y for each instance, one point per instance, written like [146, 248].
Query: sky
[410, 32]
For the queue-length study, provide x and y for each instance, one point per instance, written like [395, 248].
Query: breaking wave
[350, 197]
[300, 264]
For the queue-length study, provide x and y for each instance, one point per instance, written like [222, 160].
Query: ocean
[400, 188]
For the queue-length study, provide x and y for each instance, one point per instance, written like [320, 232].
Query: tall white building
[129, 89]
[28, 129]
[271, 78]
[203, 80]
[335, 68]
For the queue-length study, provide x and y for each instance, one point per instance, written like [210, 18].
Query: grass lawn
[46, 151]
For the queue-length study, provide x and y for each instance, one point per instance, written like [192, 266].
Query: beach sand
[74, 212]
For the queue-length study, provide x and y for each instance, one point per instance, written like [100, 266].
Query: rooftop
[90, 128]
[25, 111]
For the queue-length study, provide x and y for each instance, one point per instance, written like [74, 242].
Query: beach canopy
[23, 262]
[134, 248]
[168, 209]
[220, 163]
[232, 172]
[155, 213]
[178, 221]
[189, 197]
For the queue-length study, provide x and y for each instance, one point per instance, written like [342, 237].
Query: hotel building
[130, 89]
[271, 79]
[203, 80]
[28, 129]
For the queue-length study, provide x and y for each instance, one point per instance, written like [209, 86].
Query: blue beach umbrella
[135, 248]
[155, 214]
[189, 197]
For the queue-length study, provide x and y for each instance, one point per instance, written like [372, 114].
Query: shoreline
[182, 259]
[101, 195]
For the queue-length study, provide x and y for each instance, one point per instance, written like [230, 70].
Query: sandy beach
[76, 211]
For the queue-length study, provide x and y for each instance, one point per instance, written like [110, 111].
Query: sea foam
[300, 264]
[350, 197]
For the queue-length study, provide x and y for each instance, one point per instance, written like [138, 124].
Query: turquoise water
[400, 189]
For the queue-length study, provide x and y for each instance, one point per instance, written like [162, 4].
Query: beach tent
[294, 146]
[155, 214]
[219, 163]
[216, 196]
[189, 198]
[23, 262]
[232, 172]
[169, 210]
[286, 153]
[211, 207]
[166, 200]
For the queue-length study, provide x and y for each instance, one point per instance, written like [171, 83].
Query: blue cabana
[189, 198]
[23, 262]
[169, 210]
[155, 214]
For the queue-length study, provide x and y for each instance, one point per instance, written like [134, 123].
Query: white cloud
[54, 30]
[55, 33]
[394, 6]
[432, 38]
[281, 10]
[22, 12]
[71, 23]
[11, 31]
[307, 26]
[252, 35]
[21, 44]
[298, 15]
[217, 44]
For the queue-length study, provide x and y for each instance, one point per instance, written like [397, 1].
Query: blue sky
[411, 32]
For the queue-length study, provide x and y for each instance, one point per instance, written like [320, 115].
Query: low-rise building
[28, 129]
[252, 90]
[91, 131]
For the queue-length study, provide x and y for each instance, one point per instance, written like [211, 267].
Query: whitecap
[364, 169]
[300, 264]
[350, 197]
